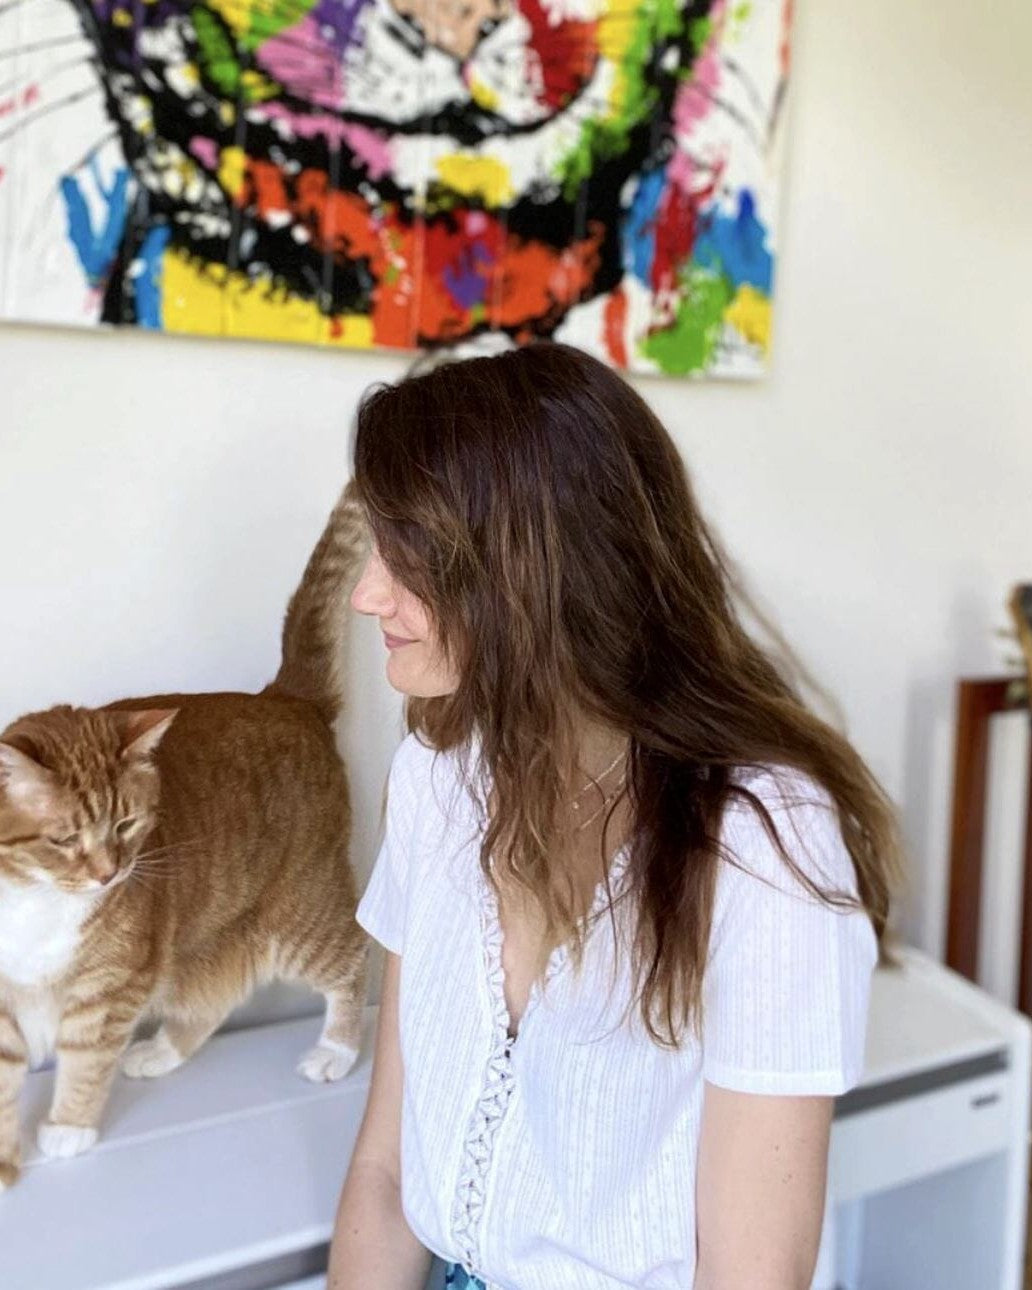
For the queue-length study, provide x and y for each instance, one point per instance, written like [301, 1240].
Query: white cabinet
[928, 1174]
[224, 1175]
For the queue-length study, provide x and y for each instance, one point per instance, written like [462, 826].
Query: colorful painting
[399, 173]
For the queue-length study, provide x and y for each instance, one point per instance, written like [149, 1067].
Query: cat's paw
[150, 1057]
[325, 1062]
[57, 1140]
[9, 1172]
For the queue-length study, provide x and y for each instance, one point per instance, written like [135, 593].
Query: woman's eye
[127, 825]
[68, 841]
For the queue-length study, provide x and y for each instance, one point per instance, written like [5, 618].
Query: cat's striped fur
[163, 856]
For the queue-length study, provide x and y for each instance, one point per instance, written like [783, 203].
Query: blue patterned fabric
[457, 1279]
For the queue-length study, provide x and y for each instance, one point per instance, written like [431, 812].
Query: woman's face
[415, 664]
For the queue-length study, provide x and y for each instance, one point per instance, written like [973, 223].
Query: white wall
[158, 497]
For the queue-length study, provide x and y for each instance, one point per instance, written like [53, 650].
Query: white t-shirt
[566, 1160]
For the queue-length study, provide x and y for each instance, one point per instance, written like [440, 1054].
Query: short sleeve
[788, 977]
[381, 911]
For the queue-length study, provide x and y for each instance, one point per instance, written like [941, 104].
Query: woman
[630, 888]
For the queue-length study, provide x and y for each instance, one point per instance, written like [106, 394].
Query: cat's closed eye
[69, 840]
[124, 827]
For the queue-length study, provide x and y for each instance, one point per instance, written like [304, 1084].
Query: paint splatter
[409, 172]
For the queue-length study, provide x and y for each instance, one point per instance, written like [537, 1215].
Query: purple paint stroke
[337, 19]
[466, 277]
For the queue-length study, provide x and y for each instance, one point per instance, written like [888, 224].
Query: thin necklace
[606, 801]
[607, 798]
[593, 783]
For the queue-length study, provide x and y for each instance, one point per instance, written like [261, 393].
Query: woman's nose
[373, 593]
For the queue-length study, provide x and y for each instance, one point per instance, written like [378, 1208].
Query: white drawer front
[902, 1141]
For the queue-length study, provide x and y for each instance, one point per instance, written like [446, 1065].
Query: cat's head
[78, 795]
[437, 168]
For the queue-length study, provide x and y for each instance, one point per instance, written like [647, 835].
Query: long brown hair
[541, 511]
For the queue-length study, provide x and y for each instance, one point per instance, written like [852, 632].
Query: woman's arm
[760, 1189]
[372, 1244]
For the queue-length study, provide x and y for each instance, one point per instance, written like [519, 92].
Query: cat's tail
[316, 620]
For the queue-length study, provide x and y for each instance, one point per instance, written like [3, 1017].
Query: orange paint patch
[614, 324]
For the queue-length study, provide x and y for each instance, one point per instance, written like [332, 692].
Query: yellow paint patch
[208, 300]
[482, 95]
[616, 29]
[232, 170]
[235, 13]
[257, 86]
[750, 314]
[483, 177]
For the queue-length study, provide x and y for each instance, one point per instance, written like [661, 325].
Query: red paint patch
[675, 236]
[786, 38]
[566, 52]
[614, 325]
[529, 282]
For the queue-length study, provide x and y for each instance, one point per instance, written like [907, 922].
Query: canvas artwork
[399, 173]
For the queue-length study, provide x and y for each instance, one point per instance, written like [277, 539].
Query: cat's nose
[454, 26]
[103, 868]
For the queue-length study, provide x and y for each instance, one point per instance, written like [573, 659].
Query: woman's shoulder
[805, 819]
[413, 758]
[428, 773]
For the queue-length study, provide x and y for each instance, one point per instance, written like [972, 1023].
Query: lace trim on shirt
[468, 1206]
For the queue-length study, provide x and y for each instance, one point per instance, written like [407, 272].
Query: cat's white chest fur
[39, 935]
[39, 931]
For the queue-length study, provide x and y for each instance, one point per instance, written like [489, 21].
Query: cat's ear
[23, 780]
[142, 731]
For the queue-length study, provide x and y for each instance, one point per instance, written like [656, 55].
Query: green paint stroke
[699, 30]
[687, 345]
[268, 20]
[220, 64]
[654, 20]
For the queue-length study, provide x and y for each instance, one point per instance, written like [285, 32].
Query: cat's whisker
[157, 863]
[736, 114]
[12, 4]
[93, 148]
[168, 847]
[37, 46]
[746, 82]
[68, 101]
[153, 866]
[30, 77]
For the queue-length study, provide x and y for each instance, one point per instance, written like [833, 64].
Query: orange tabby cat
[163, 856]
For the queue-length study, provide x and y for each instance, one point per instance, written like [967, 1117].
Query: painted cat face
[415, 172]
[78, 796]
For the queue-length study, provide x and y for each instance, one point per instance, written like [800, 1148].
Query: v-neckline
[493, 941]
[492, 935]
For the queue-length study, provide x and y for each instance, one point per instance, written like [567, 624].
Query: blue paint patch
[735, 246]
[97, 249]
[147, 277]
[639, 227]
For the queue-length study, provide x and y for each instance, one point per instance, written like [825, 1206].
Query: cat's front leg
[14, 1062]
[91, 1037]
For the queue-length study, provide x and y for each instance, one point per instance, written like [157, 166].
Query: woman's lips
[394, 642]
